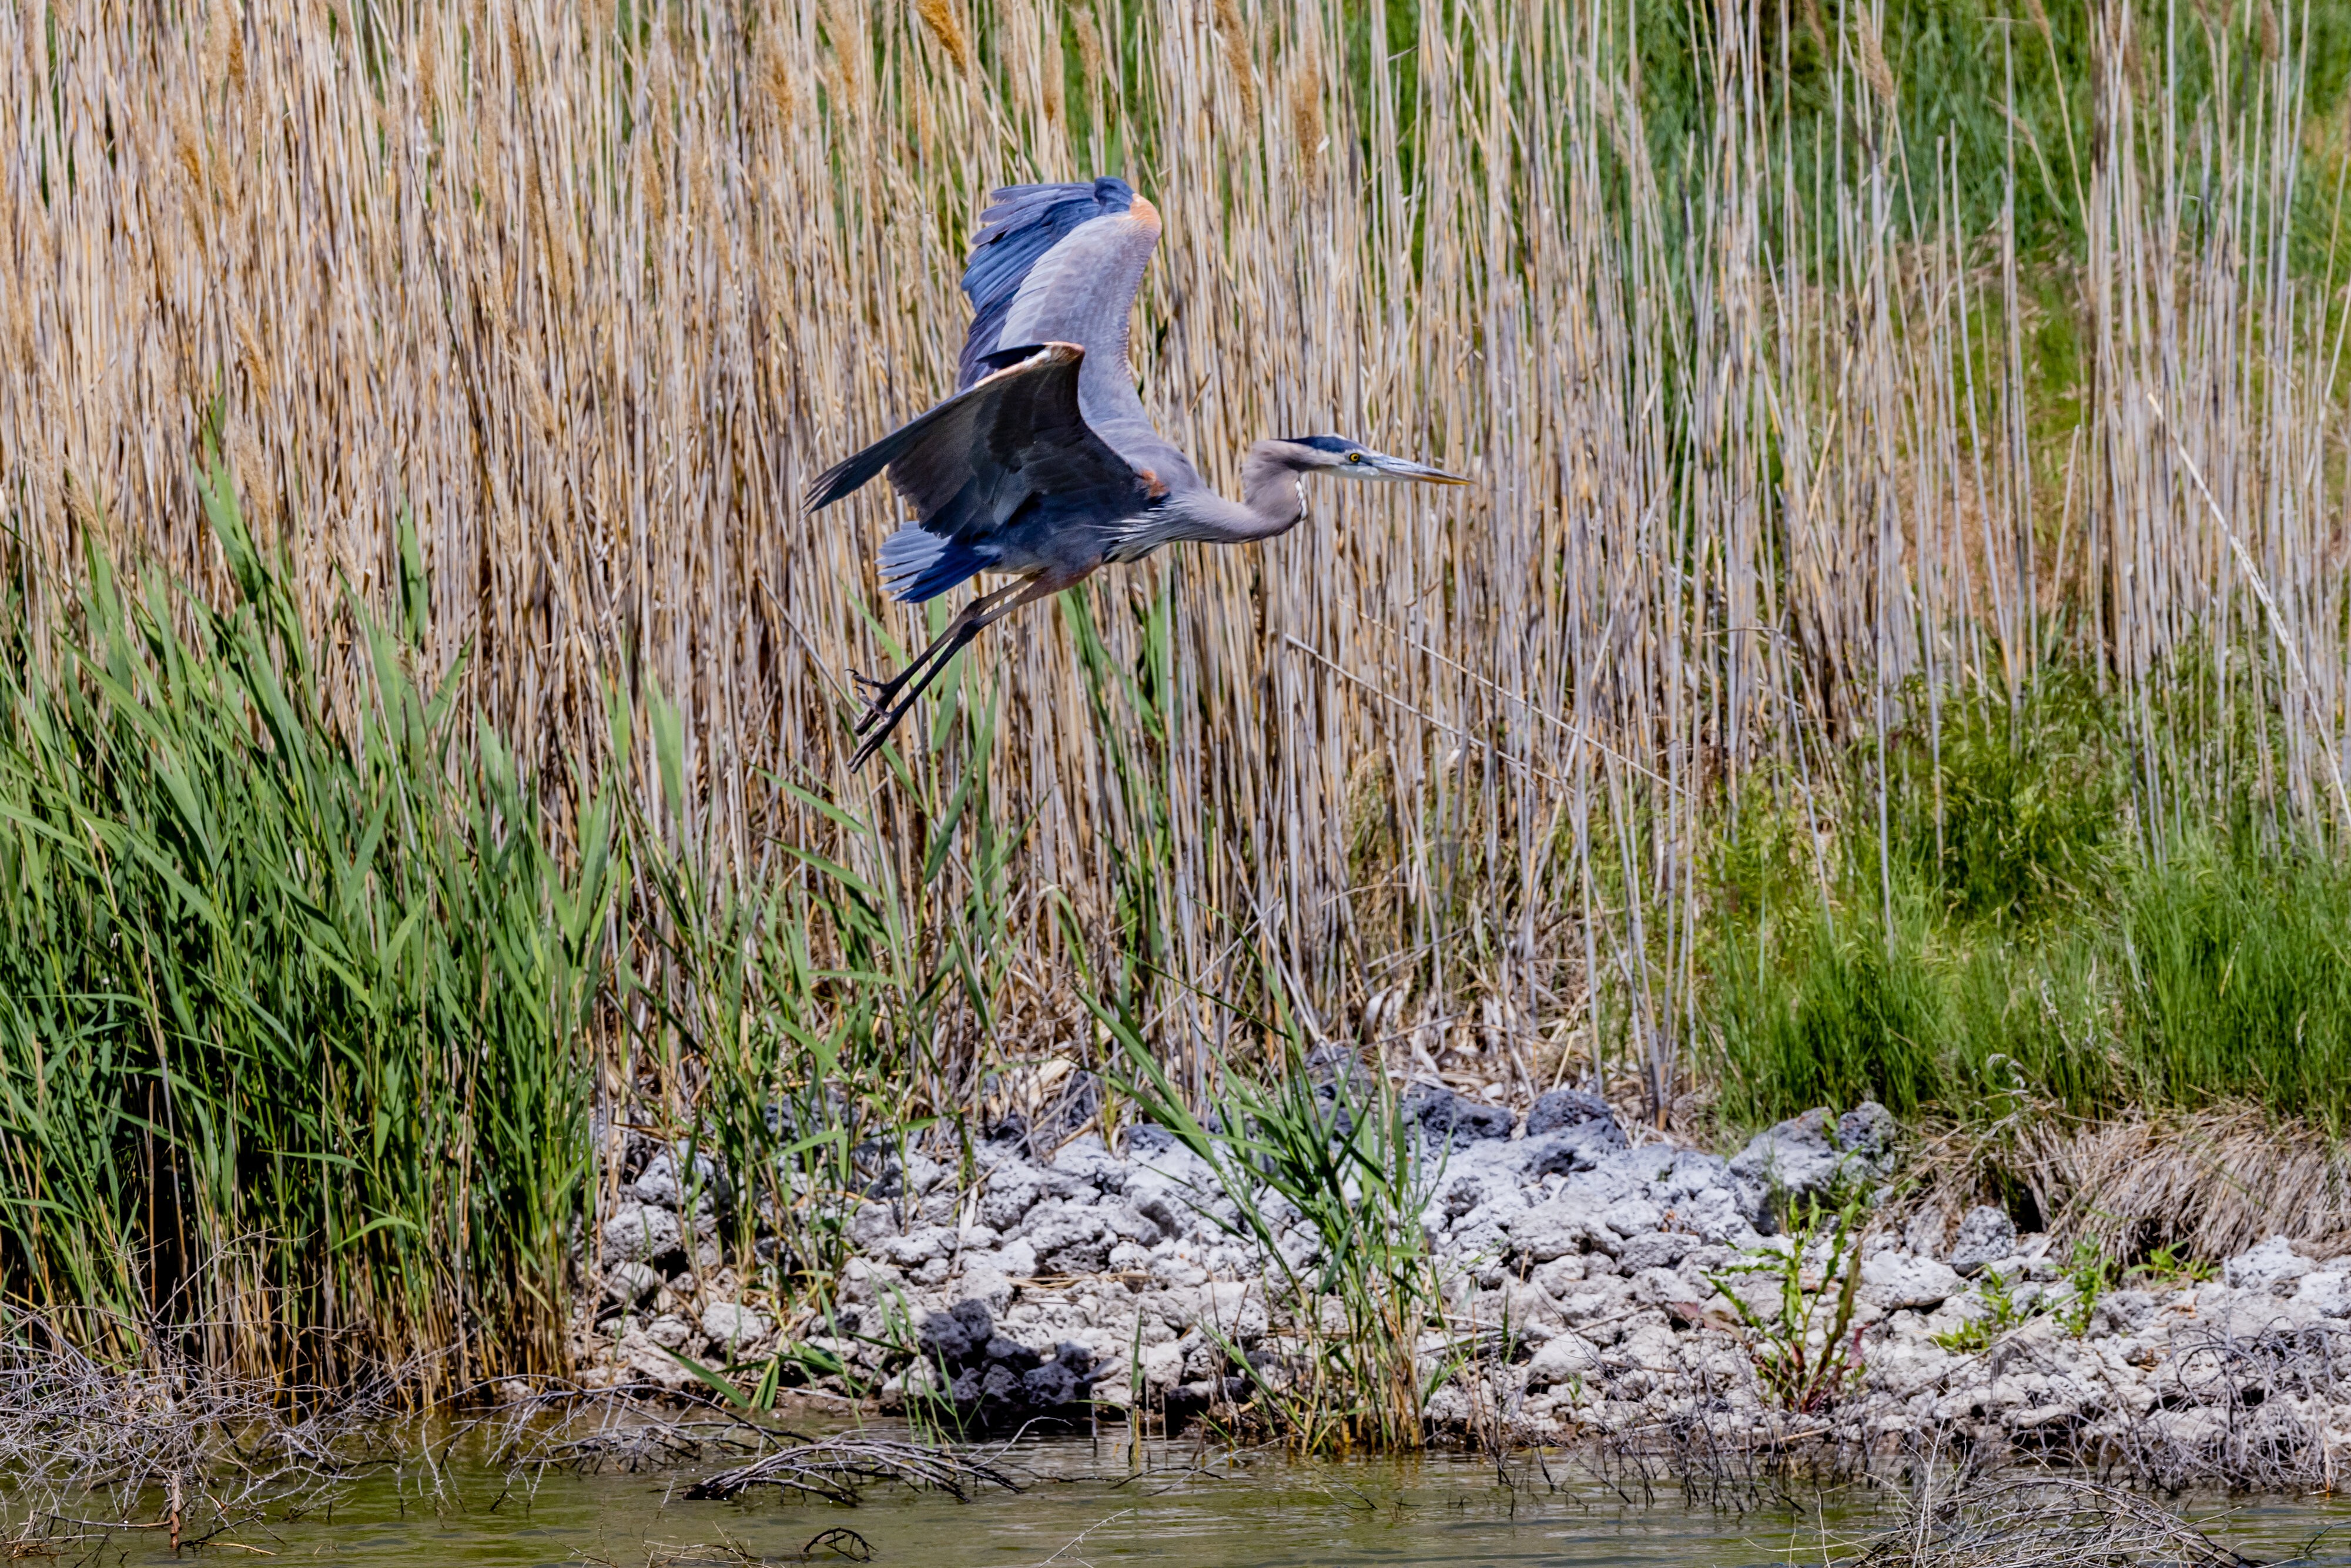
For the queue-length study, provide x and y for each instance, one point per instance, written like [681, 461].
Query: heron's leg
[980, 614]
[878, 694]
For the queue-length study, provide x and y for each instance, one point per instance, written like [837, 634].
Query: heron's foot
[875, 696]
[875, 728]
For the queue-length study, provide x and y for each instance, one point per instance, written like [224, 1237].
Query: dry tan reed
[595, 308]
[2206, 1185]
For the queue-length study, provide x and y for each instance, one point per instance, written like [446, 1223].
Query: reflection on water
[1085, 1504]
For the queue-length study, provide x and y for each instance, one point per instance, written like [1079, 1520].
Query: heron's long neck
[1270, 505]
[1271, 502]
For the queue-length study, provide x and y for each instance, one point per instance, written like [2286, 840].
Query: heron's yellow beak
[1405, 469]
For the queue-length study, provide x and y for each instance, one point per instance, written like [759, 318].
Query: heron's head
[1354, 460]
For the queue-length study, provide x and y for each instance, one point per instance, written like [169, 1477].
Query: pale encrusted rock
[637, 1233]
[2266, 1267]
[1986, 1236]
[1563, 1357]
[733, 1328]
[628, 1283]
[1899, 1282]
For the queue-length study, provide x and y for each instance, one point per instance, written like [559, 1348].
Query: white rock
[1986, 1236]
[1563, 1357]
[2327, 1292]
[732, 1327]
[2264, 1267]
[629, 1283]
[1897, 1281]
[636, 1232]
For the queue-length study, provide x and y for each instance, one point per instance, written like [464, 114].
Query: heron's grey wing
[1013, 442]
[1062, 263]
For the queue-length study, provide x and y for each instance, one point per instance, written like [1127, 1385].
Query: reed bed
[1831, 371]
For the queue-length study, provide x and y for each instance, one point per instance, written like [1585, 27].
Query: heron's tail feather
[918, 565]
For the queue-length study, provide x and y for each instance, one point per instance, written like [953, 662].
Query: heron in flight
[1043, 465]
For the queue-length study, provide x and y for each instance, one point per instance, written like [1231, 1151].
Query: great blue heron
[1044, 464]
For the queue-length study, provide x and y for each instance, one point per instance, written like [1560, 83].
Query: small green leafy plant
[2091, 1276]
[2168, 1266]
[1805, 1348]
[2002, 1312]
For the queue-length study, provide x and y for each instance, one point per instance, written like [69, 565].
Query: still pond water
[1088, 1505]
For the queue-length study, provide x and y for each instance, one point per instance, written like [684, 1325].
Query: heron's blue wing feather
[1023, 223]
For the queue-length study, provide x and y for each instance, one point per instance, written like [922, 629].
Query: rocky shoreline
[1594, 1289]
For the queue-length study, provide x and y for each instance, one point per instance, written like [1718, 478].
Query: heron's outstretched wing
[1060, 264]
[1010, 448]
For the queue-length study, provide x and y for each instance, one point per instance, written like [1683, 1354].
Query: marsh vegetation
[1898, 649]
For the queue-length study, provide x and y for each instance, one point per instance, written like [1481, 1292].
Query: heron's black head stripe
[1334, 443]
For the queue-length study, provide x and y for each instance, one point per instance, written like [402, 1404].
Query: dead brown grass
[2208, 1184]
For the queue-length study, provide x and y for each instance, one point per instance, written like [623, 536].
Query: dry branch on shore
[172, 1445]
[2043, 1523]
[839, 1468]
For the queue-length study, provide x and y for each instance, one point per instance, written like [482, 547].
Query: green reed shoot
[1328, 1189]
[294, 994]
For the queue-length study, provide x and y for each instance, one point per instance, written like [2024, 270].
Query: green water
[1083, 1504]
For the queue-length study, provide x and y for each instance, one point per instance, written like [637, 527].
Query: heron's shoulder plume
[1021, 225]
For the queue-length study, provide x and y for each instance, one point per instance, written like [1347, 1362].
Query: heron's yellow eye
[1354, 457]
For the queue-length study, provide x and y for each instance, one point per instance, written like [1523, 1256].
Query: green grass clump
[2024, 932]
[1328, 1188]
[292, 1000]
[2238, 979]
